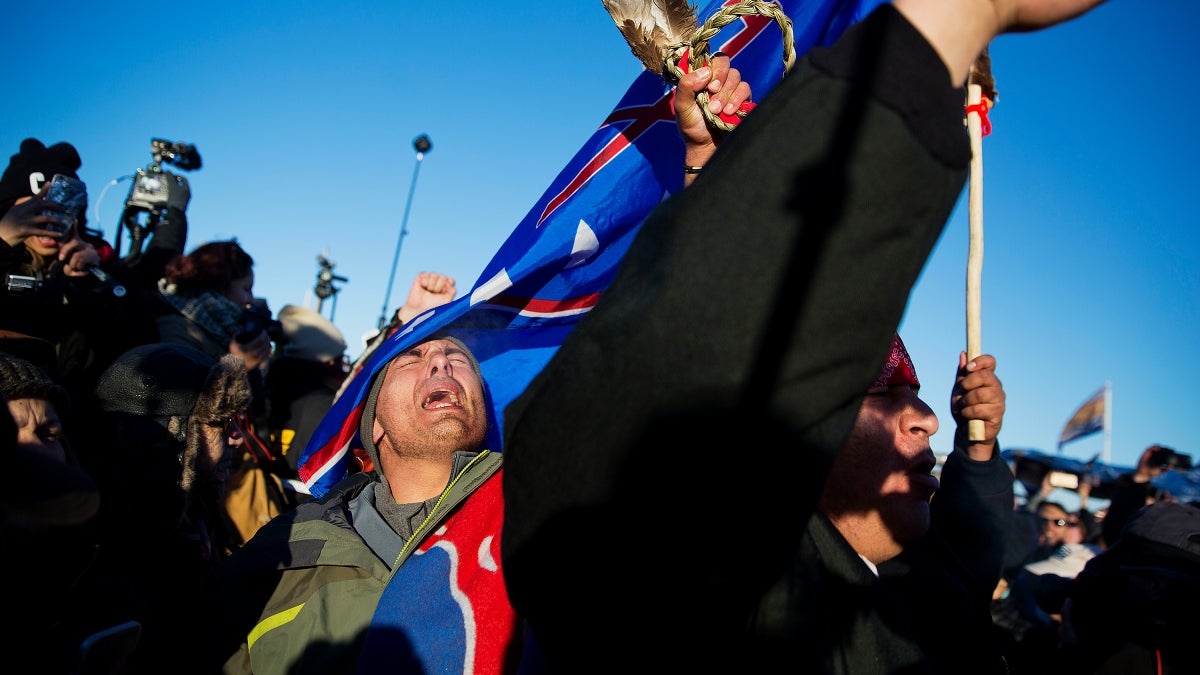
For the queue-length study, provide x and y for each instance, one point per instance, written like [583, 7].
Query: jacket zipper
[435, 511]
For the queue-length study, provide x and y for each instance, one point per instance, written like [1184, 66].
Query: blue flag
[560, 258]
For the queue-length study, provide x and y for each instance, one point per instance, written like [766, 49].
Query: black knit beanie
[156, 380]
[21, 379]
[33, 166]
[35, 350]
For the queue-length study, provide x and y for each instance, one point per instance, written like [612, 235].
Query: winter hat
[169, 380]
[310, 336]
[177, 387]
[21, 379]
[366, 423]
[33, 166]
[37, 351]
[1172, 524]
[155, 380]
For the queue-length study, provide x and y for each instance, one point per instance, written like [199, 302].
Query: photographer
[56, 283]
[211, 306]
[208, 304]
[40, 261]
[1133, 490]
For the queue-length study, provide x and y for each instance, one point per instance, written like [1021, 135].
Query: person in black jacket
[664, 469]
[170, 418]
[69, 288]
[1134, 489]
[935, 546]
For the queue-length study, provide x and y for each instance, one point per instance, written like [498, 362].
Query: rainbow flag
[1087, 420]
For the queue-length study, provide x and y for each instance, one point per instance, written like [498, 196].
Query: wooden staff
[980, 95]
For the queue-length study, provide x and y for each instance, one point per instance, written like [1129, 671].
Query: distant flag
[563, 254]
[1088, 419]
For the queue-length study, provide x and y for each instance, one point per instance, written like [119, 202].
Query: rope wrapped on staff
[665, 37]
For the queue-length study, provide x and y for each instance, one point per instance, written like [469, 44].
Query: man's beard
[441, 441]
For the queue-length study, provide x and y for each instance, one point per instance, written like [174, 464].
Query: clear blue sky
[304, 114]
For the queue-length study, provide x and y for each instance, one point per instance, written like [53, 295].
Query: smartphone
[71, 195]
[1062, 479]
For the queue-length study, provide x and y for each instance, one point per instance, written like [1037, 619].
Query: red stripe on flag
[328, 451]
[539, 306]
[643, 116]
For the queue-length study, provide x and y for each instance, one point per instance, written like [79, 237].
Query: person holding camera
[208, 304]
[58, 284]
[210, 296]
[1133, 490]
[33, 238]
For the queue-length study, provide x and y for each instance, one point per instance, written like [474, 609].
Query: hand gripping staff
[664, 36]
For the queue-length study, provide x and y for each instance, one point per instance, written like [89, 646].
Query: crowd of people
[155, 523]
[166, 421]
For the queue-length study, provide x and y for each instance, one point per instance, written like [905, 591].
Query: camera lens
[150, 182]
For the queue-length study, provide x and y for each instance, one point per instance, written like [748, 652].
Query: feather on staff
[665, 37]
[656, 30]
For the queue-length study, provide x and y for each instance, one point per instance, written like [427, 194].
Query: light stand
[325, 288]
[422, 145]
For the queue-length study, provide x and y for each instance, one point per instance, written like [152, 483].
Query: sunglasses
[1060, 522]
[225, 424]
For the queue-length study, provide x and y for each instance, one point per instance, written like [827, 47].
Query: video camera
[19, 283]
[256, 319]
[154, 190]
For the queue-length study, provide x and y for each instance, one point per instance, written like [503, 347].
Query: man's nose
[931, 421]
[439, 363]
[922, 417]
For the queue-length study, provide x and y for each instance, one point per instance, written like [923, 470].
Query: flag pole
[1108, 422]
[976, 117]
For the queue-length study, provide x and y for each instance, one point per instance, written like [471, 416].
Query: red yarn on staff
[985, 125]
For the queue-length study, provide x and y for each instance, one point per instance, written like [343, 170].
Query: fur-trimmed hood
[177, 388]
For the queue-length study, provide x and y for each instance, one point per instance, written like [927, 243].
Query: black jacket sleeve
[662, 467]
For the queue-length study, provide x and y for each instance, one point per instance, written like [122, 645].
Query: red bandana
[899, 367]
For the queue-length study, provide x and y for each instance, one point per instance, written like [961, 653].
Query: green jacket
[299, 596]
